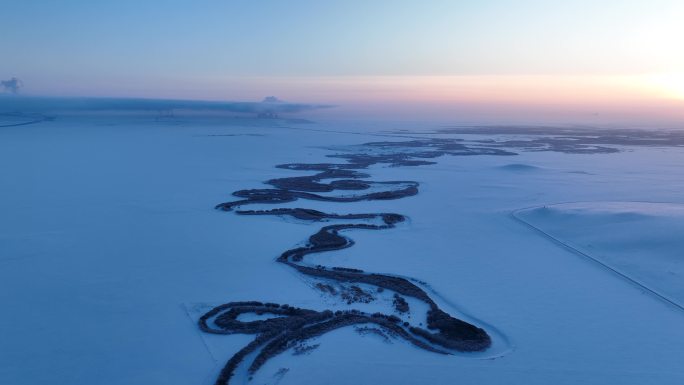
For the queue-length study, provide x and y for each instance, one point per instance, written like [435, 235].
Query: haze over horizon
[498, 59]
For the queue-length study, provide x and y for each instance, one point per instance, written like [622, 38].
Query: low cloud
[270, 106]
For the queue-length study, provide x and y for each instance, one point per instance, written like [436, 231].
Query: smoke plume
[12, 85]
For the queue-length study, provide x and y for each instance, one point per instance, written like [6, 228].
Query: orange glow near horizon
[670, 85]
[510, 89]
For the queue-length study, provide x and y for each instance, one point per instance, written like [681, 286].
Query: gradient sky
[569, 53]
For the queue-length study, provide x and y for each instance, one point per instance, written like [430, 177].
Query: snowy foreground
[111, 250]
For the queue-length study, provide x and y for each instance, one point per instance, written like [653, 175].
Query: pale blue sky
[178, 47]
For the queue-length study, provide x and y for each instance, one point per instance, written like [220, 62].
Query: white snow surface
[110, 249]
[642, 240]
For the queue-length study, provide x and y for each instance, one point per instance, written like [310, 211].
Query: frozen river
[110, 249]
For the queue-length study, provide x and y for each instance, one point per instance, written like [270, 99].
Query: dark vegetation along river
[289, 326]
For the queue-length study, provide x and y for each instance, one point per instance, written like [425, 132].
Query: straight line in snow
[194, 323]
[590, 258]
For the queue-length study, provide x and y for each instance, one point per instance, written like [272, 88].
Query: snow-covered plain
[110, 249]
[640, 240]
